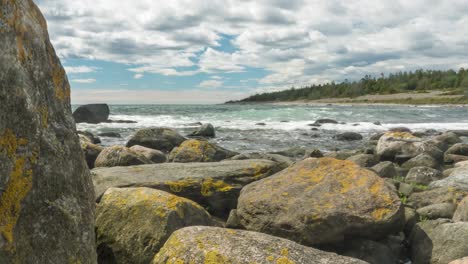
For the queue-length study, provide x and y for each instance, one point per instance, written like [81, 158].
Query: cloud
[210, 84]
[138, 76]
[80, 69]
[83, 80]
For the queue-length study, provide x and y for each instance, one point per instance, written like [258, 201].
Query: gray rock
[364, 160]
[447, 172]
[411, 219]
[405, 189]
[46, 195]
[436, 196]
[90, 150]
[295, 152]
[385, 169]
[400, 129]
[458, 179]
[403, 146]
[163, 139]
[318, 201]
[119, 156]
[206, 130]
[370, 251]
[341, 154]
[349, 136]
[438, 242]
[435, 211]
[458, 149]
[423, 175]
[453, 158]
[89, 136]
[422, 160]
[461, 214]
[132, 224]
[216, 185]
[233, 220]
[313, 153]
[460, 261]
[281, 160]
[448, 139]
[153, 155]
[325, 121]
[91, 113]
[197, 150]
[218, 245]
[110, 134]
[377, 136]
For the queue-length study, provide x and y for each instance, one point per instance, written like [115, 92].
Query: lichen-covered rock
[92, 113]
[403, 145]
[154, 155]
[90, 150]
[195, 150]
[364, 160]
[212, 245]
[436, 196]
[320, 201]
[461, 214]
[422, 160]
[215, 185]
[458, 179]
[163, 139]
[206, 130]
[435, 211]
[119, 156]
[132, 224]
[282, 161]
[385, 169]
[423, 175]
[46, 195]
[438, 241]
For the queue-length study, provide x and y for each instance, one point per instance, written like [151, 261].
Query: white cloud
[211, 84]
[80, 69]
[138, 76]
[83, 80]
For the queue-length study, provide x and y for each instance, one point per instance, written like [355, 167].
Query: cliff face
[46, 195]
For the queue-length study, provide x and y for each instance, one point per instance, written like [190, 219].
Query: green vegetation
[452, 83]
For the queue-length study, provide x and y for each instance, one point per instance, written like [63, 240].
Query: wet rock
[132, 224]
[435, 211]
[154, 155]
[218, 245]
[110, 134]
[46, 195]
[260, 124]
[119, 156]
[349, 136]
[385, 169]
[215, 186]
[91, 113]
[320, 201]
[295, 152]
[163, 139]
[194, 150]
[423, 175]
[364, 160]
[206, 130]
[325, 121]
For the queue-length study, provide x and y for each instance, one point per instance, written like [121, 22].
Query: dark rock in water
[320, 201]
[438, 241]
[119, 156]
[92, 113]
[93, 139]
[315, 125]
[154, 155]
[284, 121]
[356, 124]
[120, 121]
[163, 139]
[313, 153]
[378, 123]
[46, 204]
[194, 150]
[196, 124]
[206, 130]
[132, 224]
[314, 129]
[221, 245]
[400, 129]
[325, 121]
[215, 186]
[110, 134]
[376, 136]
[349, 136]
[260, 124]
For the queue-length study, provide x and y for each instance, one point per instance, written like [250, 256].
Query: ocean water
[286, 125]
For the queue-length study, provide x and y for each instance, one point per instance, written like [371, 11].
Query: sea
[285, 126]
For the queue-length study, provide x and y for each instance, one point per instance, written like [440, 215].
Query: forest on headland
[451, 82]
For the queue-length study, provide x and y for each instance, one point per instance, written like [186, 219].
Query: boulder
[163, 139]
[448, 139]
[411, 219]
[206, 130]
[196, 150]
[154, 155]
[370, 251]
[461, 214]
[91, 113]
[438, 241]
[400, 130]
[319, 201]
[215, 186]
[364, 160]
[281, 160]
[422, 160]
[86, 135]
[341, 154]
[461, 164]
[313, 153]
[132, 224]
[325, 121]
[453, 158]
[119, 156]
[435, 211]
[458, 149]
[46, 195]
[110, 134]
[460, 261]
[349, 136]
[217, 245]
[457, 179]
[436, 196]
[90, 150]
[376, 136]
[423, 175]
[385, 169]
[402, 146]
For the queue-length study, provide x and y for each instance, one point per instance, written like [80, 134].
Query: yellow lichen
[214, 257]
[270, 258]
[61, 86]
[44, 114]
[210, 186]
[180, 185]
[403, 135]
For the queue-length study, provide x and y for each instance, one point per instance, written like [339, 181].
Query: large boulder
[119, 156]
[422, 160]
[216, 185]
[46, 194]
[195, 150]
[218, 245]
[154, 155]
[319, 201]
[92, 113]
[457, 179]
[132, 224]
[423, 175]
[438, 241]
[402, 146]
[206, 130]
[163, 139]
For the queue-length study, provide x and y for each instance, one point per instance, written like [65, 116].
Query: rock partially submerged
[92, 113]
[46, 194]
[213, 185]
[163, 139]
[206, 130]
[318, 201]
[218, 245]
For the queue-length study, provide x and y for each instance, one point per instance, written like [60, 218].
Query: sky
[199, 51]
